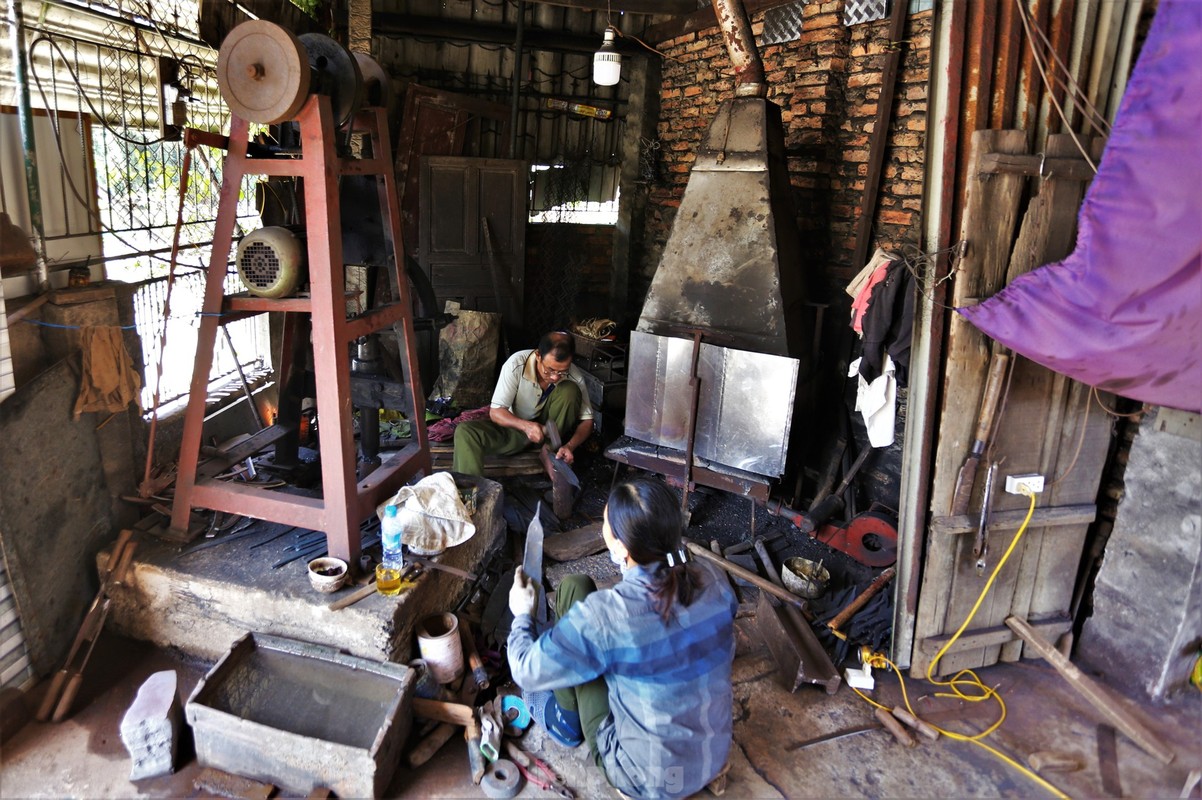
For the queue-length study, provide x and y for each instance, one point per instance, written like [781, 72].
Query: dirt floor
[786, 744]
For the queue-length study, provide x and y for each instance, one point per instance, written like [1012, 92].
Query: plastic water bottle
[388, 571]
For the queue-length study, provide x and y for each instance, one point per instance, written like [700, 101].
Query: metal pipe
[740, 44]
[516, 82]
[16, 27]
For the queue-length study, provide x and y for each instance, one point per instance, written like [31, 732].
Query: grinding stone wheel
[263, 72]
[502, 780]
[337, 74]
[377, 86]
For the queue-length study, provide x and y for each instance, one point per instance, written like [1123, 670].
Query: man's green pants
[482, 437]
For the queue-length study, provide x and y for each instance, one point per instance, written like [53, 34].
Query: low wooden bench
[524, 463]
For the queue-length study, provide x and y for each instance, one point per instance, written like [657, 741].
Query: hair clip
[681, 556]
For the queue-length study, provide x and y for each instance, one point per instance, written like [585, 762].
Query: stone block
[150, 728]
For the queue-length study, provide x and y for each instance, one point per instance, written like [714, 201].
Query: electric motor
[271, 262]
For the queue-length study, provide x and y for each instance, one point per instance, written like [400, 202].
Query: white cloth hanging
[877, 402]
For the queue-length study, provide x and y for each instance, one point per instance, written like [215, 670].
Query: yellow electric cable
[967, 677]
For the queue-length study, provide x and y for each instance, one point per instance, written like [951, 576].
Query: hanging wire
[1098, 121]
[1097, 397]
[1051, 94]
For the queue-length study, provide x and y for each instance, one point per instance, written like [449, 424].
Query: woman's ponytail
[644, 515]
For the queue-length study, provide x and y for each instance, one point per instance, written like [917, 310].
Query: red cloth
[860, 304]
[444, 429]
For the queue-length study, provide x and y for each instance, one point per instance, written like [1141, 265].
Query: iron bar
[516, 82]
[16, 26]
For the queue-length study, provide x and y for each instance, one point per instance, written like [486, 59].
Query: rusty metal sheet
[731, 261]
[745, 407]
[798, 654]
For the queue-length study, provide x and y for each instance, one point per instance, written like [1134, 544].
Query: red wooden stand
[345, 501]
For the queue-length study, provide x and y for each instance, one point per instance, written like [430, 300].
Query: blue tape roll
[513, 701]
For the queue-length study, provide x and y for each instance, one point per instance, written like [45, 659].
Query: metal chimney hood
[731, 264]
[716, 357]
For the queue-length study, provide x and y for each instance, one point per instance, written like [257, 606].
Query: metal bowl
[805, 578]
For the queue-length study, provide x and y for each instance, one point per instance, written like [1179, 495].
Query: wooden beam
[662, 7]
[398, 25]
[992, 636]
[1073, 169]
[1010, 520]
[1096, 694]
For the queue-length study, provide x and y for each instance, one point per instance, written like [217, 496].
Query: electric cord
[966, 685]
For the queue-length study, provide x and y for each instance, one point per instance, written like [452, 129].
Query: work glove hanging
[523, 594]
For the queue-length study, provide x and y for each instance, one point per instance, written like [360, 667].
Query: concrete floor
[83, 756]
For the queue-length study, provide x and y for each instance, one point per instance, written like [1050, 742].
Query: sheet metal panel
[745, 404]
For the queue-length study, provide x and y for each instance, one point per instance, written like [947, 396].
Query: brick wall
[827, 84]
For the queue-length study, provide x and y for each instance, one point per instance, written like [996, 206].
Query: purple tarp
[1124, 311]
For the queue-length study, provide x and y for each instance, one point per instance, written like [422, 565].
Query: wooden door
[1046, 424]
[458, 196]
[438, 123]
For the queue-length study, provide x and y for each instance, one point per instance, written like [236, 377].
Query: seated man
[531, 391]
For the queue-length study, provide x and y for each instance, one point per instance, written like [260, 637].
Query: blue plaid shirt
[670, 699]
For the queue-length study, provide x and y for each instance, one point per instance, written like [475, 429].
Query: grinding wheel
[263, 72]
[337, 74]
[377, 86]
[502, 780]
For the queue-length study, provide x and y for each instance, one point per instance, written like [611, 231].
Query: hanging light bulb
[607, 62]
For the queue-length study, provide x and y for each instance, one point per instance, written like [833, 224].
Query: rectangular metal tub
[302, 716]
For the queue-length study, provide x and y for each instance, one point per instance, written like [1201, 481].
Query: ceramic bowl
[327, 574]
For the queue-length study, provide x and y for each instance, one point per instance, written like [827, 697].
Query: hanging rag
[889, 323]
[432, 515]
[876, 401]
[861, 286]
[109, 381]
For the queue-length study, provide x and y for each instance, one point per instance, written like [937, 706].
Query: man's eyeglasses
[561, 373]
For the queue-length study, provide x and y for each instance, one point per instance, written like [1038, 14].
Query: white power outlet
[1033, 482]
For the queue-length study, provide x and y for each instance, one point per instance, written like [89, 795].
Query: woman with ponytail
[641, 672]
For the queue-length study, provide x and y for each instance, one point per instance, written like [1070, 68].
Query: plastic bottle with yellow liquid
[388, 571]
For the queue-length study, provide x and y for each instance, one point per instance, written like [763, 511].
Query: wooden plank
[223, 784]
[1065, 168]
[526, 463]
[1107, 704]
[574, 544]
[1049, 517]
[990, 214]
[998, 634]
[451, 713]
